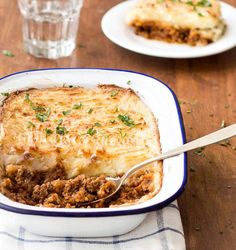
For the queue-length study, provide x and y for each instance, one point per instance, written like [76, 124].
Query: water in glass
[50, 26]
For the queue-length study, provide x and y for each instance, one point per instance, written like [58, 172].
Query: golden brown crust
[196, 22]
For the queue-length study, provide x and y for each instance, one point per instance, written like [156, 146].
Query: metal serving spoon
[214, 137]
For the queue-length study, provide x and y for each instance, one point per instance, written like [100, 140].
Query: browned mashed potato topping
[58, 144]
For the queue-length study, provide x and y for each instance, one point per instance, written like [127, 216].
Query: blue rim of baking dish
[107, 213]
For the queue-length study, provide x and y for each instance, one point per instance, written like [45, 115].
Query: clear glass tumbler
[50, 26]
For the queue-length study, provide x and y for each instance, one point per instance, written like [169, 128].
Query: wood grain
[207, 90]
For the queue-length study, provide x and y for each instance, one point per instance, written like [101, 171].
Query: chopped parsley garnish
[189, 3]
[48, 131]
[59, 122]
[126, 120]
[5, 94]
[27, 98]
[41, 113]
[122, 133]
[129, 82]
[113, 121]
[66, 112]
[7, 53]
[61, 130]
[91, 131]
[31, 125]
[90, 111]
[77, 106]
[114, 93]
[200, 14]
[204, 3]
[97, 124]
[39, 108]
[41, 117]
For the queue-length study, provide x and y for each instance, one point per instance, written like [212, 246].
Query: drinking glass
[50, 26]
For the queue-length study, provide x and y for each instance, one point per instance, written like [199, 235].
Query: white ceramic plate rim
[114, 27]
[16, 207]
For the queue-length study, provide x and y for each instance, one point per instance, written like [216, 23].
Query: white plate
[114, 27]
[94, 222]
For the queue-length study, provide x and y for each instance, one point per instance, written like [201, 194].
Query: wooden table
[207, 90]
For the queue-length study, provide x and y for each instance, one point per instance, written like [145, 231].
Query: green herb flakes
[39, 108]
[190, 3]
[59, 122]
[66, 112]
[203, 3]
[126, 120]
[112, 121]
[91, 131]
[97, 124]
[41, 117]
[114, 93]
[27, 97]
[61, 130]
[48, 131]
[7, 53]
[31, 125]
[5, 94]
[122, 133]
[90, 111]
[77, 106]
[129, 82]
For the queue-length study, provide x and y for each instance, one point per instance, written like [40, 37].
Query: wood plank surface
[207, 90]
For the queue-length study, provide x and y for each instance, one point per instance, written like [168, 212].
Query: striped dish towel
[161, 230]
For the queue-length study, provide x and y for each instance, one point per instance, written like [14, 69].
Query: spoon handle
[214, 137]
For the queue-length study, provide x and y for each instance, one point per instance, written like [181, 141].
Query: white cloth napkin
[161, 230]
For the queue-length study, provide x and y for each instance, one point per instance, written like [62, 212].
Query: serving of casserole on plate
[64, 130]
[172, 29]
[196, 22]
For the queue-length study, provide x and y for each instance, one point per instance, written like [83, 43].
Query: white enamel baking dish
[98, 222]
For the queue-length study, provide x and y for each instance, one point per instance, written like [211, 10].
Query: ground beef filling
[170, 34]
[52, 189]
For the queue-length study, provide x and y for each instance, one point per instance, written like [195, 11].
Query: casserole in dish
[92, 222]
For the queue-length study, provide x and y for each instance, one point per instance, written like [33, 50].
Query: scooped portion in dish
[57, 145]
[195, 22]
